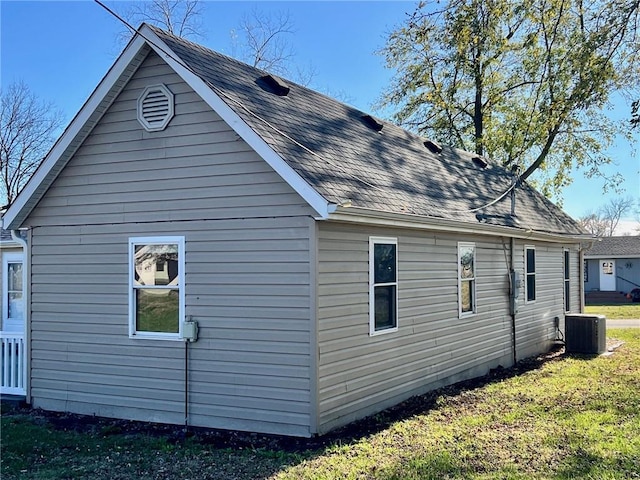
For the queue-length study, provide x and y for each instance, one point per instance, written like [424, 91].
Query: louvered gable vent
[155, 108]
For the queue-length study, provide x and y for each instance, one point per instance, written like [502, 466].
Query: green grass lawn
[630, 310]
[571, 417]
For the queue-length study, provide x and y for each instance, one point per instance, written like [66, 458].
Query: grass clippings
[554, 417]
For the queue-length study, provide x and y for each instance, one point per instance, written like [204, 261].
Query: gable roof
[333, 155]
[615, 247]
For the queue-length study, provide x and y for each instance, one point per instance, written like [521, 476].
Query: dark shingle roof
[338, 153]
[615, 246]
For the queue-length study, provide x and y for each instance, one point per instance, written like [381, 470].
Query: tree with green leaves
[524, 82]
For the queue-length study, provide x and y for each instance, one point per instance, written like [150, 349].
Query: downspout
[513, 300]
[26, 292]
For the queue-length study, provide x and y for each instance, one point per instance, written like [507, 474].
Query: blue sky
[61, 50]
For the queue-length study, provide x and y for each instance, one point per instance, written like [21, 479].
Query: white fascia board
[610, 257]
[22, 206]
[255, 141]
[403, 220]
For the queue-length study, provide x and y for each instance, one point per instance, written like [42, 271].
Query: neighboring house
[335, 264]
[612, 264]
[12, 321]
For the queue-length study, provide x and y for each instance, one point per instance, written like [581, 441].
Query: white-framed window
[156, 287]
[466, 278]
[13, 292]
[383, 285]
[567, 284]
[530, 273]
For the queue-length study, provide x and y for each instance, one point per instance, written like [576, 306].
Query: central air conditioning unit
[585, 333]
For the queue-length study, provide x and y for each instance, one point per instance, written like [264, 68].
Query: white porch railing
[13, 365]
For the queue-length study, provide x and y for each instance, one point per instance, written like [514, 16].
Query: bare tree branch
[28, 127]
[604, 222]
[264, 40]
[182, 18]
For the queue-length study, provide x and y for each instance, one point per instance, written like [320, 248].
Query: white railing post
[13, 370]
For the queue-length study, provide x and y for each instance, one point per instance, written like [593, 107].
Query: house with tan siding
[210, 244]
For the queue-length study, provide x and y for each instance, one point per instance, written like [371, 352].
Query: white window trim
[566, 278]
[526, 275]
[7, 258]
[473, 311]
[181, 292]
[372, 311]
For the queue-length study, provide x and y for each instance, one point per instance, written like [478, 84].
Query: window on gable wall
[466, 278]
[530, 272]
[567, 286]
[156, 289]
[383, 285]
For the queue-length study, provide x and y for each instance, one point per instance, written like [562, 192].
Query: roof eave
[612, 257]
[403, 220]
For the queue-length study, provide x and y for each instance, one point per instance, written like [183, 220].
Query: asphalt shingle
[616, 246]
[331, 146]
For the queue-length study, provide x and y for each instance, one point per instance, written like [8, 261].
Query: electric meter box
[585, 333]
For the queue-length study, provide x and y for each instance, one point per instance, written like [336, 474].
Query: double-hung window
[530, 273]
[567, 286]
[383, 285]
[13, 297]
[156, 287]
[466, 278]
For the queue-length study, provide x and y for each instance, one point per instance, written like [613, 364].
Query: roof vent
[155, 108]
[480, 162]
[275, 84]
[432, 146]
[373, 123]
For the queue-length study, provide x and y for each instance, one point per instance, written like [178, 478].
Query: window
[156, 287]
[13, 301]
[466, 278]
[383, 285]
[530, 271]
[567, 289]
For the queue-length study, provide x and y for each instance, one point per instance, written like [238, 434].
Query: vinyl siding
[535, 327]
[247, 274]
[361, 374]
[627, 272]
[593, 275]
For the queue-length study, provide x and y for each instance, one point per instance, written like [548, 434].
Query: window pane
[385, 307]
[157, 310]
[384, 257]
[16, 306]
[14, 279]
[566, 265]
[531, 287]
[156, 264]
[567, 299]
[466, 262]
[466, 295]
[531, 260]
